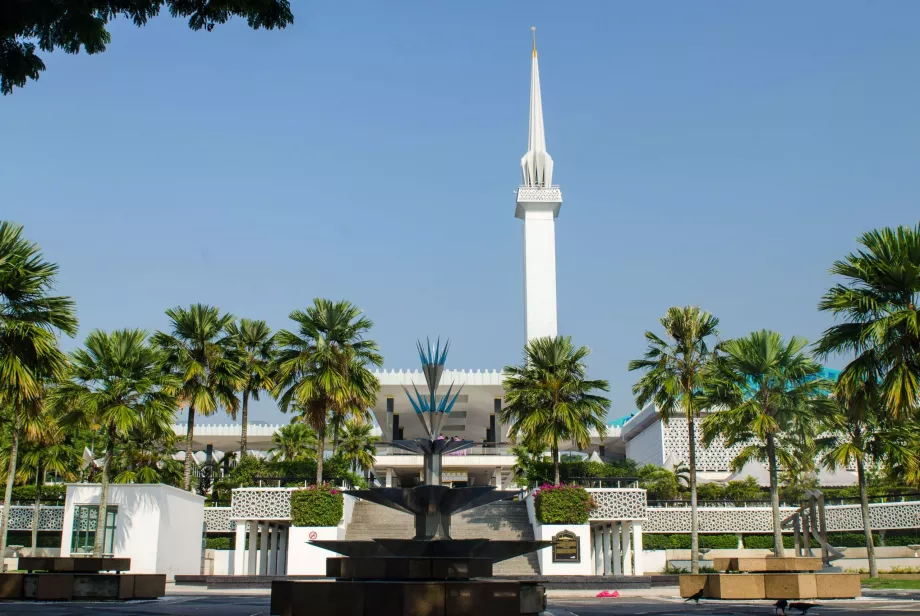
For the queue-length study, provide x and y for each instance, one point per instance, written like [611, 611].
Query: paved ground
[888, 603]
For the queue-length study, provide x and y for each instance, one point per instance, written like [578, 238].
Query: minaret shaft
[538, 203]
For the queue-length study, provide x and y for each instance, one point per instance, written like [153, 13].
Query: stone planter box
[729, 586]
[775, 565]
[771, 585]
[69, 586]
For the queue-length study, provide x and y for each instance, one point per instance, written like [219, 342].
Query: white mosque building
[642, 437]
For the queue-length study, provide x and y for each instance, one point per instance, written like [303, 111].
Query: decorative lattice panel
[50, 517]
[714, 519]
[551, 194]
[618, 504]
[888, 516]
[261, 504]
[716, 457]
[218, 519]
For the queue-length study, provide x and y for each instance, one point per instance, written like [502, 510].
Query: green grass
[885, 583]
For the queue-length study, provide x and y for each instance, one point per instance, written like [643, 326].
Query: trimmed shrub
[680, 541]
[317, 506]
[218, 543]
[562, 504]
[46, 539]
[49, 492]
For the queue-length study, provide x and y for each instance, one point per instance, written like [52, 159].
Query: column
[638, 568]
[263, 549]
[282, 551]
[273, 554]
[389, 480]
[605, 549]
[388, 434]
[627, 549]
[239, 548]
[616, 556]
[253, 546]
[598, 550]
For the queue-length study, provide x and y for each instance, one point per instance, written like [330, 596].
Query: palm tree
[147, 456]
[764, 387]
[204, 358]
[358, 446]
[880, 305]
[674, 371]
[548, 399]
[117, 386]
[861, 429]
[323, 366]
[256, 347]
[295, 441]
[30, 318]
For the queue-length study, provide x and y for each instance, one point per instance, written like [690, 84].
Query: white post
[253, 546]
[616, 555]
[639, 568]
[282, 551]
[598, 550]
[605, 548]
[239, 548]
[627, 549]
[389, 480]
[263, 549]
[273, 555]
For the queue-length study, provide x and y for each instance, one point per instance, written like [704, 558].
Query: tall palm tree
[674, 370]
[201, 354]
[256, 347]
[146, 456]
[861, 429]
[549, 400]
[764, 387]
[293, 442]
[30, 318]
[117, 386]
[879, 303]
[323, 365]
[358, 446]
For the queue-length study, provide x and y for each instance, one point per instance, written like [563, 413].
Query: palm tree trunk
[320, 450]
[556, 474]
[189, 436]
[774, 498]
[99, 543]
[867, 528]
[10, 479]
[38, 506]
[245, 427]
[694, 509]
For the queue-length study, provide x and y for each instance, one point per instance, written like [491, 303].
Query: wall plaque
[566, 547]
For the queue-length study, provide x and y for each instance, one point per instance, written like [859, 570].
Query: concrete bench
[58, 564]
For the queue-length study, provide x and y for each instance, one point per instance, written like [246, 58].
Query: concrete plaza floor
[657, 602]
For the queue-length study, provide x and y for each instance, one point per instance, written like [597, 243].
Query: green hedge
[218, 543]
[51, 492]
[562, 504]
[46, 539]
[317, 506]
[682, 542]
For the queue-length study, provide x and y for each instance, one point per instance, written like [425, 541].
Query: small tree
[549, 400]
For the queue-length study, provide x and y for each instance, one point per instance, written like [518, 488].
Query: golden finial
[534, 30]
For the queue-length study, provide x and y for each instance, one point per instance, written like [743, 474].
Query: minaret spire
[537, 204]
[537, 165]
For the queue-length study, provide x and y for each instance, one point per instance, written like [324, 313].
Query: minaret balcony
[544, 198]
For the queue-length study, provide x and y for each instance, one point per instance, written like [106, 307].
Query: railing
[605, 482]
[479, 449]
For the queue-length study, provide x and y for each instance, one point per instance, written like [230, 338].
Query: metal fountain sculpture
[431, 569]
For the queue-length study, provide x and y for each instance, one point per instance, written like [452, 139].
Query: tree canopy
[71, 25]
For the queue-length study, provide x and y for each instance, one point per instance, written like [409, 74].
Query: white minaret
[538, 203]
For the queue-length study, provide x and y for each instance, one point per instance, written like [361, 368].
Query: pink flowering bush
[562, 504]
[320, 505]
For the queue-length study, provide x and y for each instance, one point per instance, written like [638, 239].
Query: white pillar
[239, 548]
[263, 549]
[605, 551]
[253, 546]
[389, 480]
[616, 556]
[282, 551]
[639, 568]
[273, 554]
[627, 549]
[598, 550]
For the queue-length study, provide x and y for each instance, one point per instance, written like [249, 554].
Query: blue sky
[720, 154]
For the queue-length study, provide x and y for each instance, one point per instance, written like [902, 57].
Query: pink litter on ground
[605, 594]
